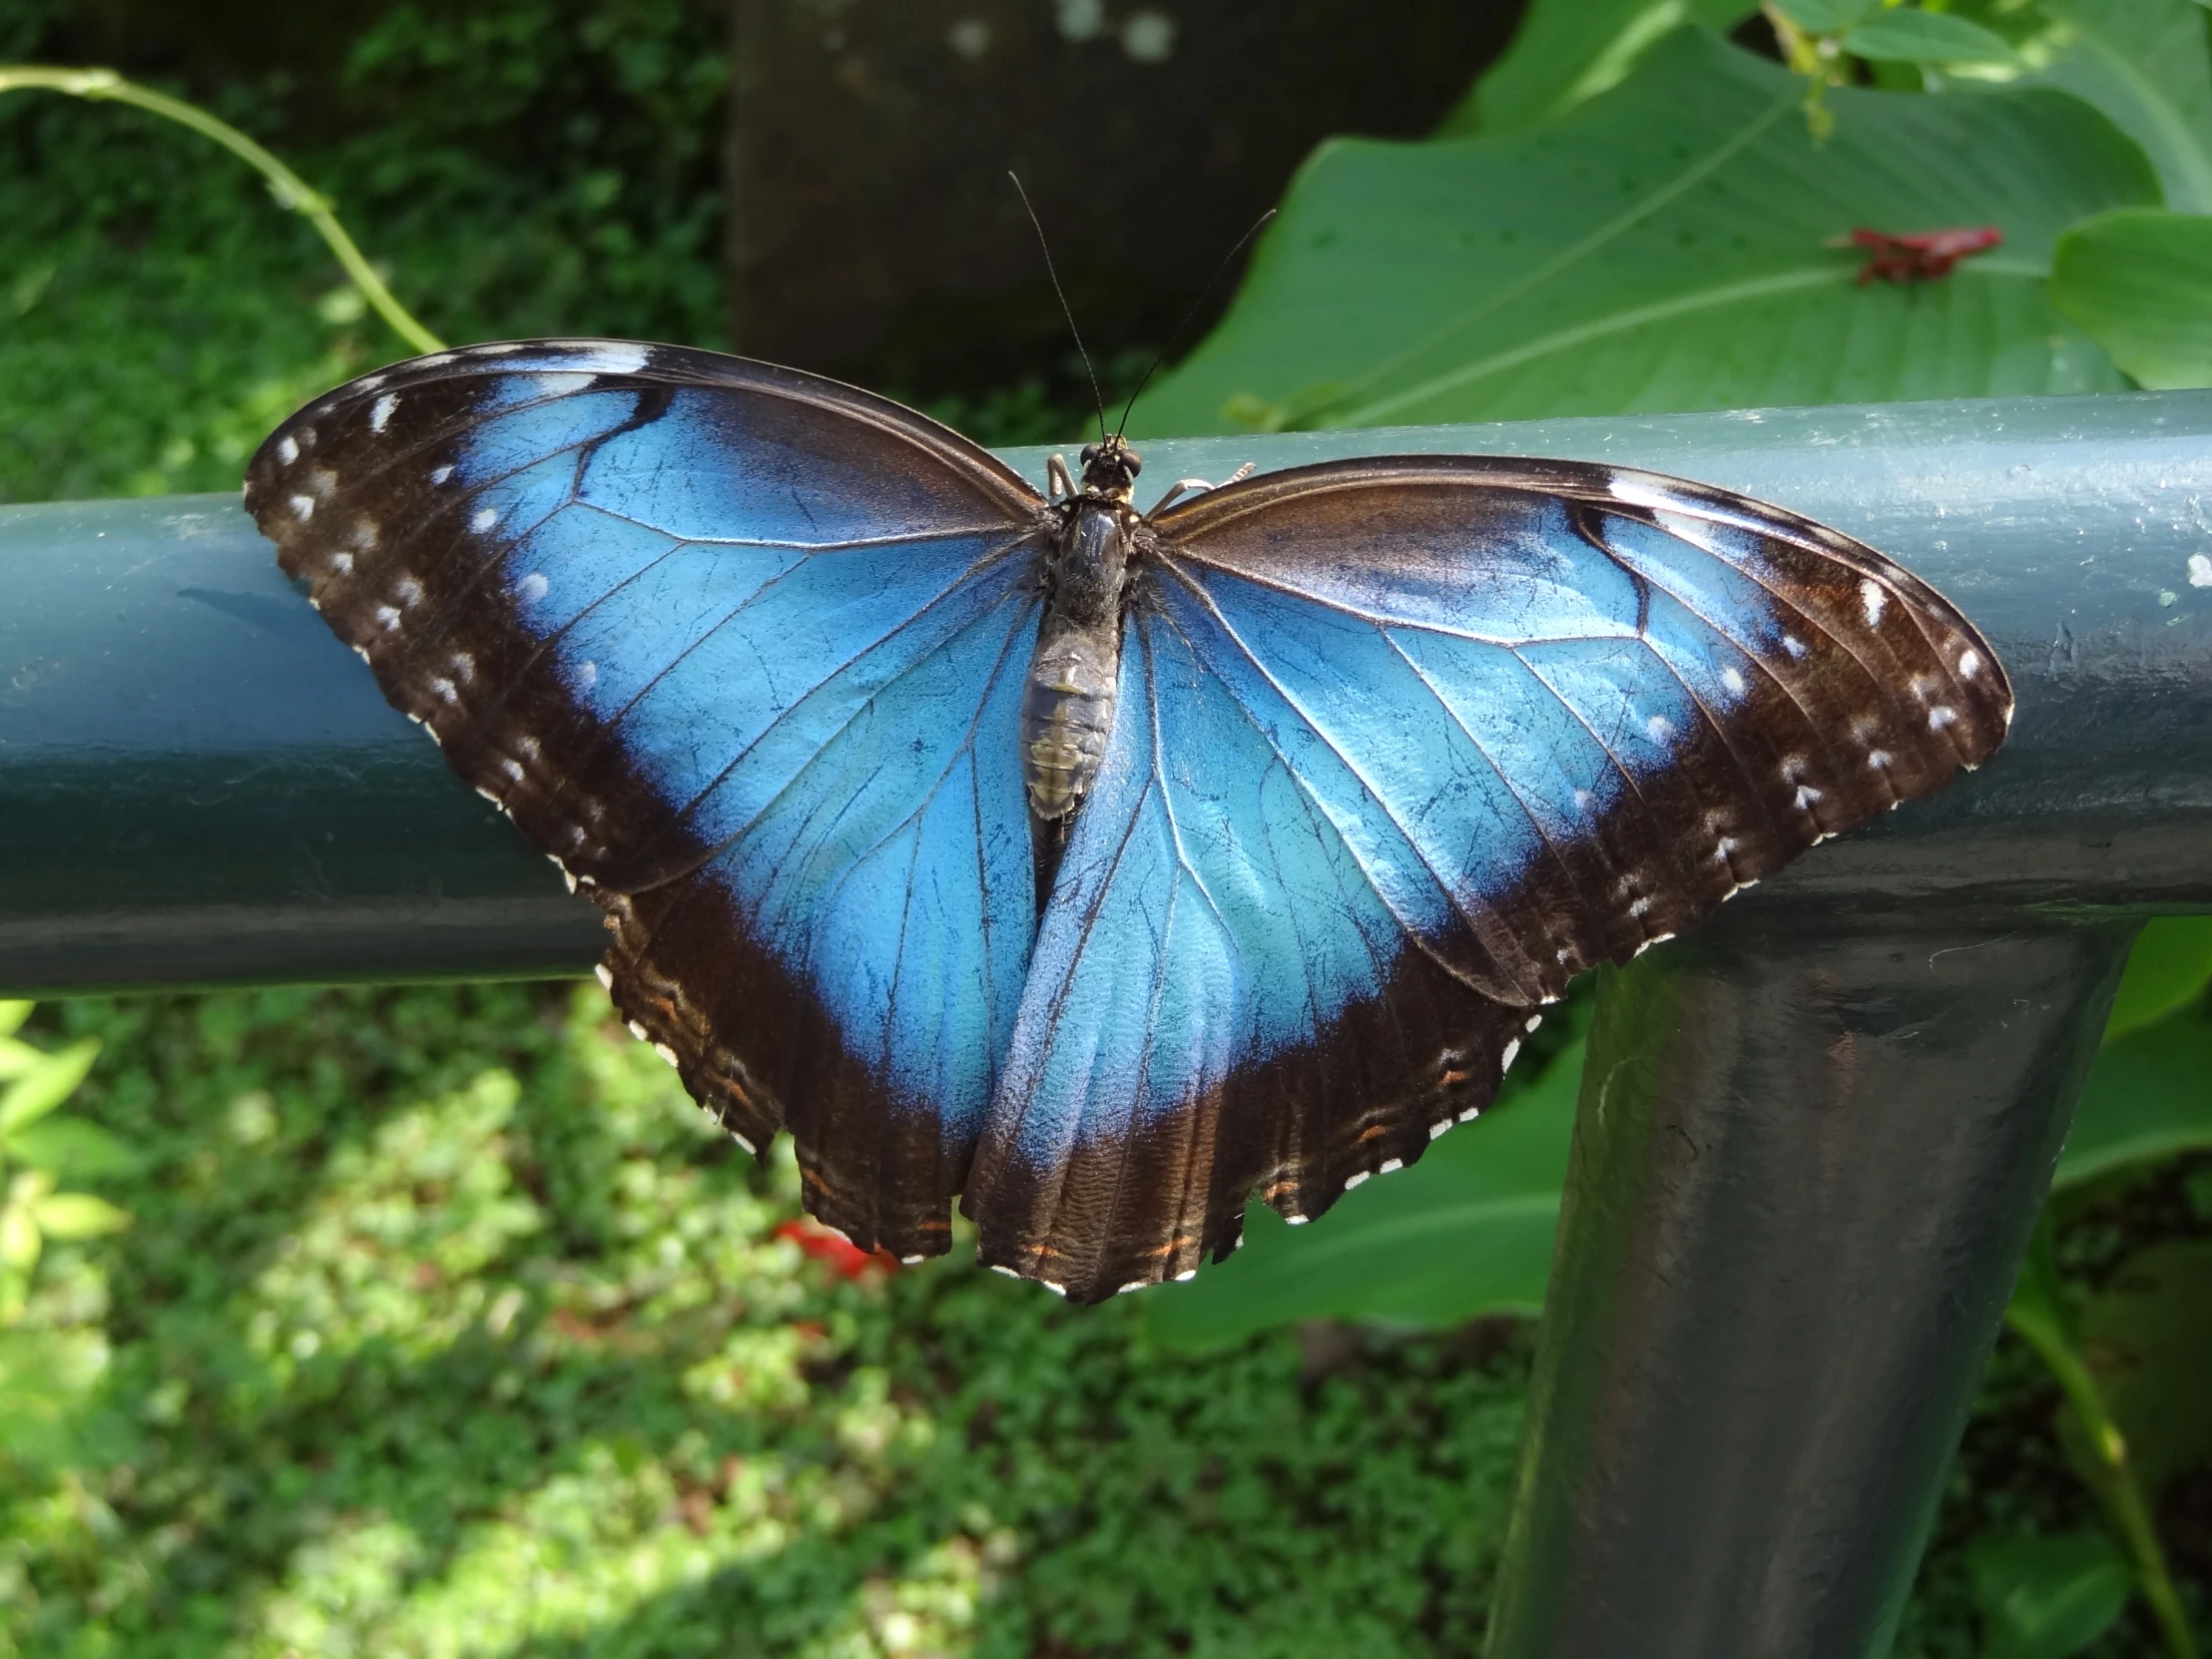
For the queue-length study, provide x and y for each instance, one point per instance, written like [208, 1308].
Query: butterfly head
[1110, 469]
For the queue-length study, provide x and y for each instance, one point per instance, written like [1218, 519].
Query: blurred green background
[437, 1322]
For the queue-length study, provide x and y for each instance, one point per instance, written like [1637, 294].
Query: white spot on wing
[1876, 759]
[1439, 1127]
[1940, 716]
[1733, 681]
[1639, 907]
[287, 449]
[742, 1140]
[1794, 646]
[341, 563]
[439, 474]
[532, 587]
[1186, 1276]
[1352, 1181]
[380, 410]
[482, 519]
[1874, 596]
[1806, 795]
[603, 975]
[302, 507]
[386, 618]
[1297, 1220]
[665, 1052]
[1660, 728]
[637, 1030]
[1507, 1059]
[1390, 1166]
[1535, 1020]
[1000, 1266]
[1123, 1289]
[1969, 661]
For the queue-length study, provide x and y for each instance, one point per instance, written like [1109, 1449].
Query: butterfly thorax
[1068, 704]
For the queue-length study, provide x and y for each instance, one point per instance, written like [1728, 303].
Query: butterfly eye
[1090, 454]
[1131, 463]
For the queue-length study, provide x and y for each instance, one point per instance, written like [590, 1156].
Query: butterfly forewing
[734, 645]
[1424, 740]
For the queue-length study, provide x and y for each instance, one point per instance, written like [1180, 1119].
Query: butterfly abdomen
[1067, 707]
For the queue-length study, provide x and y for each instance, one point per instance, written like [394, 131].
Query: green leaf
[2149, 1095]
[2147, 1336]
[1466, 1232]
[2146, 64]
[43, 1375]
[2140, 283]
[1663, 247]
[2169, 968]
[1825, 17]
[12, 1016]
[73, 1148]
[1566, 52]
[78, 1216]
[1903, 36]
[45, 1086]
[2047, 1597]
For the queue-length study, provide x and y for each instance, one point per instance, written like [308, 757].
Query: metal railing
[1813, 1135]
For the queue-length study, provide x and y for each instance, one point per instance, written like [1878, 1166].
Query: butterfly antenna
[1176, 339]
[1098, 400]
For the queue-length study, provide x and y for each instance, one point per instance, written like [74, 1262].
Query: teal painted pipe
[199, 786]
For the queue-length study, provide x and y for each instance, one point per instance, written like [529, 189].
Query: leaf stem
[2040, 1318]
[287, 185]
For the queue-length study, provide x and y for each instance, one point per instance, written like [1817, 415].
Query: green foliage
[2140, 282]
[2049, 1597]
[1566, 52]
[2169, 968]
[519, 167]
[1591, 268]
[2147, 67]
[449, 1326]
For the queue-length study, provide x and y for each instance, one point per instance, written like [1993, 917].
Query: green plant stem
[2042, 1328]
[289, 188]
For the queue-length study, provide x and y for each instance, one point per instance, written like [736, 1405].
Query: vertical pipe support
[1809, 1151]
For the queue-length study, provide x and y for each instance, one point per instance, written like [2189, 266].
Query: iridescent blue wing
[741, 649]
[1404, 745]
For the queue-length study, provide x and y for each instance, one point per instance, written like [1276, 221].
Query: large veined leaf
[1566, 52]
[1466, 1232]
[2167, 971]
[2140, 283]
[2148, 1096]
[1663, 246]
[2048, 1596]
[2148, 66]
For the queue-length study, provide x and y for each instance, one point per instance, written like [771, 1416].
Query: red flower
[832, 1248]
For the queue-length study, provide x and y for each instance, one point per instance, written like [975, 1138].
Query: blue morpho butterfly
[1103, 869]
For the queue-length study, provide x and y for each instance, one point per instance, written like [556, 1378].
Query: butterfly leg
[1194, 486]
[1059, 486]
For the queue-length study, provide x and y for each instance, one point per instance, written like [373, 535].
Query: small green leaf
[2147, 1338]
[12, 1016]
[1466, 1232]
[73, 1148]
[1568, 51]
[2169, 968]
[1825, 17]
[45, 1086]
[1903, 36]
[2139, 282]
[2148, 1096]
[19, 1238]
[2049, 1597]
[78, 1216]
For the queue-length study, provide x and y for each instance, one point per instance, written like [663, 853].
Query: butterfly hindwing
[738, 648]
[1403, 746]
